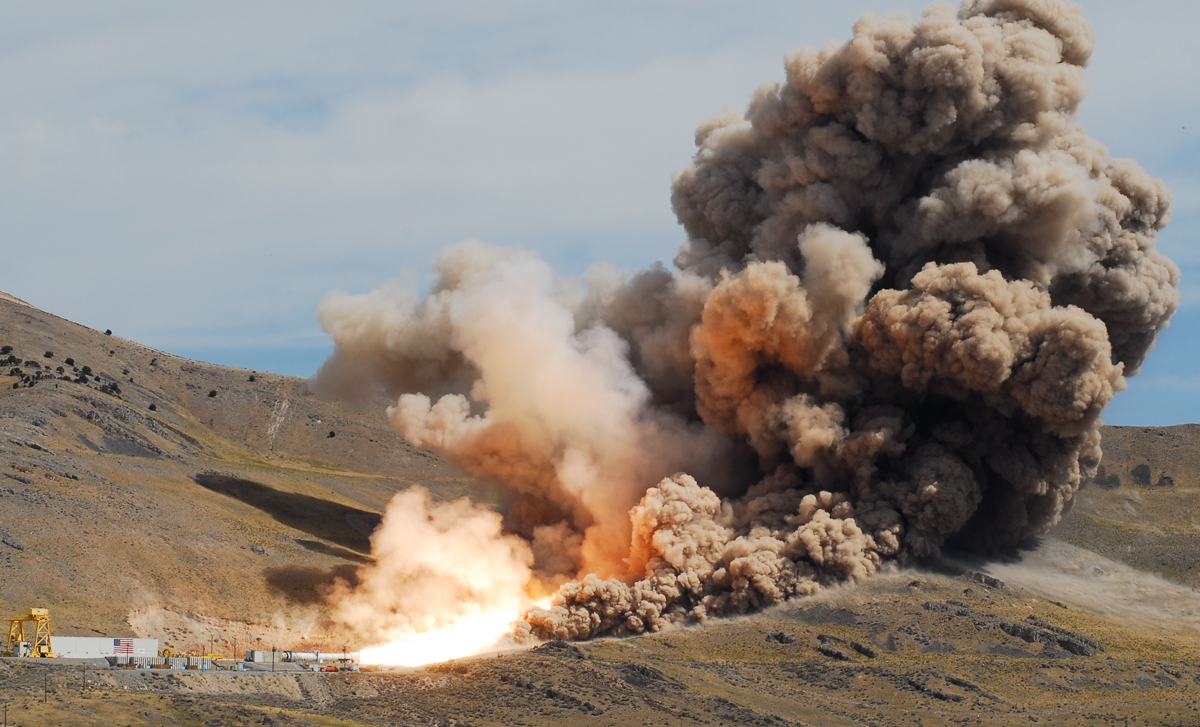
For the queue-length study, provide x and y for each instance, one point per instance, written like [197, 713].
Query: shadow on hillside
[307, 586]
[346, 526]
[317, 546]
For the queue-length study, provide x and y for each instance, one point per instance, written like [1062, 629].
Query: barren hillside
[180, 499]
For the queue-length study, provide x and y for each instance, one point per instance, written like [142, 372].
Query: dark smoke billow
[910, 285]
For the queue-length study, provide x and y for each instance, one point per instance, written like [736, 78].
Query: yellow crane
[40, 643]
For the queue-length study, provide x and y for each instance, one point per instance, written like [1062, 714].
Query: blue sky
[197, 175]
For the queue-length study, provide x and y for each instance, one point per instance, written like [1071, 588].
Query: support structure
[39, 645]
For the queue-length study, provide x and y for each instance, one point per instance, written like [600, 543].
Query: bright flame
[446, 582]
[467, 636]
[470, 635]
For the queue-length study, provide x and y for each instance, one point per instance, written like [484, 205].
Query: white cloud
[192, 172]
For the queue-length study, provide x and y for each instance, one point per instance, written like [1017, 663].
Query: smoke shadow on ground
[345, 526]
[317, 546]
[308, 586]
[953, 561]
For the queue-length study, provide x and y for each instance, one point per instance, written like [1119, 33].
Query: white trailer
[96, 647]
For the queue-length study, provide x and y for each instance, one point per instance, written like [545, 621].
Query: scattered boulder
[1037, 630]
[935, 693]
[864, 649]
[833, 652]
[1079, 641]
[639, 675]
[258, 549]
[1021, 631]
[985, 579]
[779, 637]
[10, 541]
[29, 444]
[19, 493]
[558, 647]
[825, 645]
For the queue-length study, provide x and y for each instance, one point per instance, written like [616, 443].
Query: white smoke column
[445, 582]
[505, 320]
[911, 283]
[564, 420]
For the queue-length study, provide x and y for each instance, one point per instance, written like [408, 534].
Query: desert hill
[141, 491]
[206, 505]
[1143, 509]
[903, 649]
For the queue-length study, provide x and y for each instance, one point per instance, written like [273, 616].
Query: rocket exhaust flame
[910, 285]
[468, 636]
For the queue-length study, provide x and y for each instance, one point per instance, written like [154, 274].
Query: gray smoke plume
[911, 284]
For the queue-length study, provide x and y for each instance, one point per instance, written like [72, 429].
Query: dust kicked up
[910, 285]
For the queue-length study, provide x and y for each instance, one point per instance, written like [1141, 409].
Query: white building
[96, 647]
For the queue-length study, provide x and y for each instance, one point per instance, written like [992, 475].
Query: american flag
[122, 646]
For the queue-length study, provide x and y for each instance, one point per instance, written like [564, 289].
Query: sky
[196, 176]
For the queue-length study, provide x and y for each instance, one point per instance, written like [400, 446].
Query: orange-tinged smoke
[911, 284]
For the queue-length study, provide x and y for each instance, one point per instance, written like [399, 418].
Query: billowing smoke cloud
[910, 285]
[434, 564]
